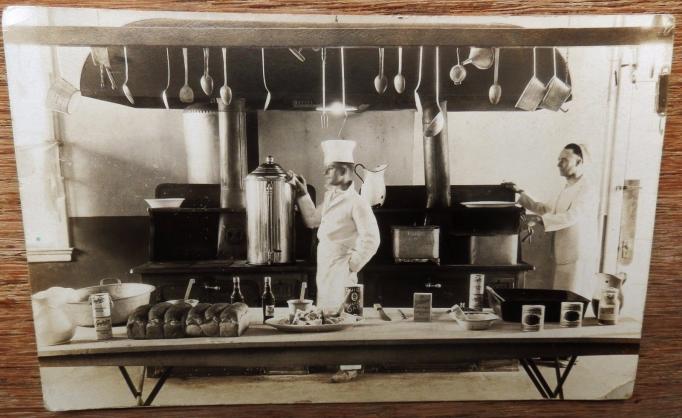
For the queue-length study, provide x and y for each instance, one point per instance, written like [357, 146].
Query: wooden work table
[370, 341]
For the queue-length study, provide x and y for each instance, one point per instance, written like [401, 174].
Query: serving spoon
[206, 79]
[186, 92]
[417, 99]
[380, 81]
[399, 79]
[164, 93]
[126, 89]
[225, 90]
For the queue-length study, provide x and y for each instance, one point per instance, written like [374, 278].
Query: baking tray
[507, 303]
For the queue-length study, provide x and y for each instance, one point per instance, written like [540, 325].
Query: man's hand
[512, 186]
[299, 183]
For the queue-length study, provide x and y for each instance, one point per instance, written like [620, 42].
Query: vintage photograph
[273, 209]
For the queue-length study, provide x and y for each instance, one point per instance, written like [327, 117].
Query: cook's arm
[529, 203]
[367, 243]
[312, 216]
[578, 209]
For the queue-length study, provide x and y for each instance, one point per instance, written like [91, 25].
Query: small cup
[532, 317]
[298, 305]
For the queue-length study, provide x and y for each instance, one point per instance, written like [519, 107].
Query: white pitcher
[373, 185]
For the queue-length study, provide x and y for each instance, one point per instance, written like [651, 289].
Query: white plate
[282, 324]
[489, 204]
[164, 203]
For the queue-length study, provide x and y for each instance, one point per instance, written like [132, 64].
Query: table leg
[539, 381]
[137, 393]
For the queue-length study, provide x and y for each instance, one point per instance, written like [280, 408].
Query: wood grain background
[658, 391]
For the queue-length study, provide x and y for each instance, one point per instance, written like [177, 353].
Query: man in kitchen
[348, 232]
[571, 218]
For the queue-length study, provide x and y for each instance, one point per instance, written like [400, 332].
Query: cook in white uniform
[571, 217]
[348, 233]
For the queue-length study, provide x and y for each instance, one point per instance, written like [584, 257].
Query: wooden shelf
[240, 266]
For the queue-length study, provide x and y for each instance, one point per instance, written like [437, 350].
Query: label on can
[609, 307]
[354, 300]
[101, 305]
[571, 314]
[532, 317]
[422, 305]
[476, 286]
[103, 328]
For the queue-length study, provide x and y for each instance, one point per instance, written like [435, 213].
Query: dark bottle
[236, 291]
[268, 300]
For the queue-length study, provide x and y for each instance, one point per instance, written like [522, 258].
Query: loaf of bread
[211, 325]
[137, 322]
[234, 320]
[174, 320]
[195, 317]
[156, 320]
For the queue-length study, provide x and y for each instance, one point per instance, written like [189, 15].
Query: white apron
[348, 237]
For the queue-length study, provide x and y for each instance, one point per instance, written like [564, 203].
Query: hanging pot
[534, 92]
[557, 90]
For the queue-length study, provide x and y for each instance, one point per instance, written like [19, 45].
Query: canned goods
[609, 306]
[354, 300]
[571, 314]
[476, 286]
[101, 315]
[532, 317]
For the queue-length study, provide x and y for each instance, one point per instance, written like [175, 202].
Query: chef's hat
[586, 153]
[338, 150]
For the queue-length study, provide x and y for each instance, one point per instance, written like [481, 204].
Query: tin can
[609, 306]
[476, 286]
[101, 315]
[532, 317]
[571, 314]
[354, 299]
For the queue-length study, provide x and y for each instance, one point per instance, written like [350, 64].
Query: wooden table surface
[659, 378]
[371, 332]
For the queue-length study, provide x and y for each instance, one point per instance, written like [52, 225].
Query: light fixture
[337, 108]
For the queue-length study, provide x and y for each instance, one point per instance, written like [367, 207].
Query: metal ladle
[225, 90]
[164, 93]
[417, 99]
[126, 89]
[380, 81]
[434, 127]
[458, 73]
[206, 79]
[495, 91]
[265, 84]
[186, 93]
[399, 79]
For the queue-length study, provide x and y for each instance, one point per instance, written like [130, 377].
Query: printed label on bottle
[269, 310]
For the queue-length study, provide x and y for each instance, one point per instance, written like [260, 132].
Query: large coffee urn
[269, 215]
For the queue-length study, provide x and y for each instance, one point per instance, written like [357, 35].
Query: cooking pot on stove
[269, 215]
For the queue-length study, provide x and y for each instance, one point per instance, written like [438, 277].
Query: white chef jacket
[572, 219]
[348, 238]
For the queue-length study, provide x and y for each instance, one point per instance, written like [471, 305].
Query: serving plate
[489, 204]
[282, 324]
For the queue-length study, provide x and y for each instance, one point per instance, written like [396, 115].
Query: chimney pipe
[232, 155]
[436, 161]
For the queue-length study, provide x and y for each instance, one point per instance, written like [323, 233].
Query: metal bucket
[125, 297]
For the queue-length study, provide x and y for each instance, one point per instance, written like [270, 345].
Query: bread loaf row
[179, 320]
